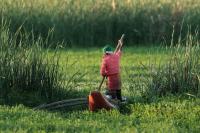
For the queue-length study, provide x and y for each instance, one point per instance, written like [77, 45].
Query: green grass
[175, 113]
[95, 23]
[169, 114]
[27, 73]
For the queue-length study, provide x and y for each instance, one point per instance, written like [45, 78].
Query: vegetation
[27, 74]
[175, 113]
[168, 114]
[162, 84]
[97, 22]
[178, 73]
[181, 72]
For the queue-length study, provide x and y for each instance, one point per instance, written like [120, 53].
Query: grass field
[50, 50]
[172, 113]
[169, 114]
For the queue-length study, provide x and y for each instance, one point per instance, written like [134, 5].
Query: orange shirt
[110, 64]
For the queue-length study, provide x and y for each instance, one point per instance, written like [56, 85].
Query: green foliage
[178, 72]
[27, 74]
[30, 62]
[181, 71]
[169, 114]
[165, 114]
[98, 22]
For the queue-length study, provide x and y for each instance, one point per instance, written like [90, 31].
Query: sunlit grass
[169, 114]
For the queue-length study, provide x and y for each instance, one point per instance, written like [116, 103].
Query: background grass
[96, 23]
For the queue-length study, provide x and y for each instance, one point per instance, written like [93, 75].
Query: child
[110, 68]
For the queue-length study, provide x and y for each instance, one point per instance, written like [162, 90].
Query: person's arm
[118, 47]
[120, 44]
[103, 68]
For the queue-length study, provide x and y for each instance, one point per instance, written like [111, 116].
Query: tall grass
[178, 74]
[97, 22]
[27, 74]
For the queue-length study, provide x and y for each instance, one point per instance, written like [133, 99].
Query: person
[110, 68]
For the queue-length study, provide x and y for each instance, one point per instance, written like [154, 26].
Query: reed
[27, 73]
[178, 74]
[97, 22]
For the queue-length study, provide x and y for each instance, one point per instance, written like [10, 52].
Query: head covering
[107, 49]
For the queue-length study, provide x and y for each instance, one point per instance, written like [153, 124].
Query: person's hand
[120, 42]
[119, 45]
[104, 75]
